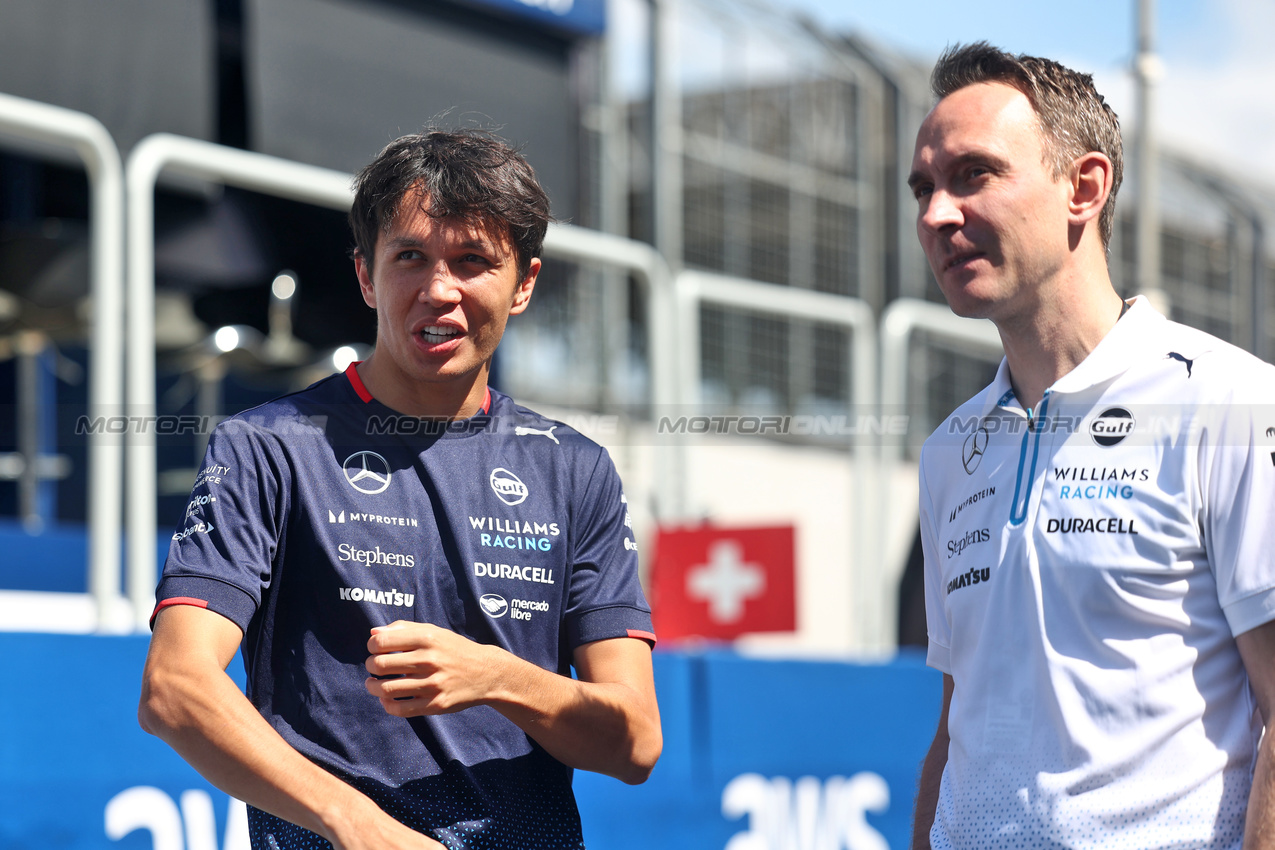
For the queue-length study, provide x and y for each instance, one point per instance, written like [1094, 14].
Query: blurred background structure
[760, 154]
[746, 143]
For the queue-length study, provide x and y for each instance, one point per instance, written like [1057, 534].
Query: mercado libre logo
[493, 605]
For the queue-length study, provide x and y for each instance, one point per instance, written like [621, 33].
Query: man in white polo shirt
[1099, 523]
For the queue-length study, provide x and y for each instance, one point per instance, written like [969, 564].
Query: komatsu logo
[977, 575]
[393, 596]
[507, 486]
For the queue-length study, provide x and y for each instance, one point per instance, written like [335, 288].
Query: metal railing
[207, 161]
[672, 328]
[37, 127]
[696, 288]
[164, 153]
[899, 321]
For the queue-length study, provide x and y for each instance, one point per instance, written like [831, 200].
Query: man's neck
[454, 399]
[1056, 334]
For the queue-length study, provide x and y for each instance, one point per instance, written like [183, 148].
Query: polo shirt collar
[1123, 345]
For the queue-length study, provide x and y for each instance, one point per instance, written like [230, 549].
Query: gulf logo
[507, 486]
[1111, 426]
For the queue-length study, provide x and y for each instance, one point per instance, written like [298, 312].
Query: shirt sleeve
[222, 552]
[939, 653]
[1238, 483]
[605, 599]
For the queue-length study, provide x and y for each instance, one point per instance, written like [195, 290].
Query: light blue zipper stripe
[1018, 484]
[1017, 517]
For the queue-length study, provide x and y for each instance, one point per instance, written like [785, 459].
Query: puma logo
[1173, 355]
[523, 431]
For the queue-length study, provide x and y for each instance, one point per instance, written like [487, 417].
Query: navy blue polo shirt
[324, 513]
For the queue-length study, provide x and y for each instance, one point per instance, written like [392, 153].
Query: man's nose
[941, 210]
[441, 286]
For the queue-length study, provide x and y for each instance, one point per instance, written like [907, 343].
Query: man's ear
[522, 293]
[364, 273]
[1091, 179]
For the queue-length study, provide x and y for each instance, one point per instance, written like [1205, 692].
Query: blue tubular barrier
[758, 755]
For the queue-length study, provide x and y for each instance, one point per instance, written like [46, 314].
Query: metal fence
[788, 150]
[791, 147]
[54, 130]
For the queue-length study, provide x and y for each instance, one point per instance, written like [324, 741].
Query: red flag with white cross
[720, 583]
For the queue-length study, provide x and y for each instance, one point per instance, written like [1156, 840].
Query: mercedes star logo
[367, 472]
[972, 451]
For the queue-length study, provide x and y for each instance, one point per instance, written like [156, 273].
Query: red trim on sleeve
[181, 600]
[177, 600]
[635, 633]
[352, 373]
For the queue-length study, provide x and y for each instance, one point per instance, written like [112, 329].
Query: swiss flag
[720, 583]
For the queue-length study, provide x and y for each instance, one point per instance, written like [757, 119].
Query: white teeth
[439, 331]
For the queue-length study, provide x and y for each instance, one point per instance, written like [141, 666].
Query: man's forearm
[927, 794]
[1259, 821]
[207, 727]
[605, 727]
[189, 702]
[1257, 650]
[607, 721]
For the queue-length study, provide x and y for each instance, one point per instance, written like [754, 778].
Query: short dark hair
[1074, 118]
[469, 174]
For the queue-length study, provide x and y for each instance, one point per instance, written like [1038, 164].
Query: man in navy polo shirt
[411, 562]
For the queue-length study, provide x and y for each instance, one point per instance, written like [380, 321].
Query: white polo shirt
[1086, 569]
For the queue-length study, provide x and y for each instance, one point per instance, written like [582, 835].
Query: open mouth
[961, 259]
[434, 334]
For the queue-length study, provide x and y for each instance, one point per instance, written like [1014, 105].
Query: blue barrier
[758, 755]
[54, 559]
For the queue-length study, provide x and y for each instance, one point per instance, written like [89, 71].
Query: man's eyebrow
[402, 242]
[972, 158]
[981, 158]
[479, 244]
[474, 244]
